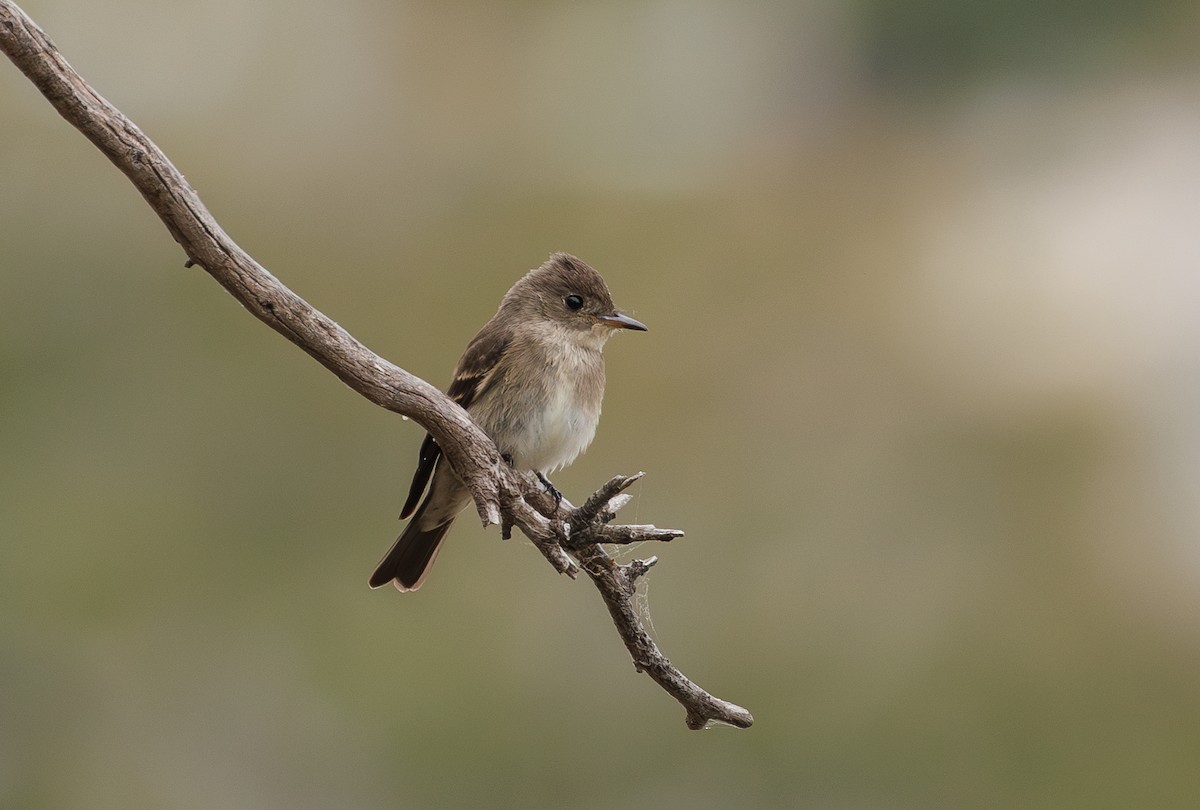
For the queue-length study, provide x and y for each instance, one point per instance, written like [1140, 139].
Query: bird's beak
[619, 321]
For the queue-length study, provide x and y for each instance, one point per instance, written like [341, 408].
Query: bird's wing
[475, 374]
[477, 368]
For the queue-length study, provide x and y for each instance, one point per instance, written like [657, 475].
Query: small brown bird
[532, 379]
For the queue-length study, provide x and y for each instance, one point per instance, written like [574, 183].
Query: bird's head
[568, 293]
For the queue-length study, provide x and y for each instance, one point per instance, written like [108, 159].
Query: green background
[922, 385]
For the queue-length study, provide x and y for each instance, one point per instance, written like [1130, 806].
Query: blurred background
[922, 385]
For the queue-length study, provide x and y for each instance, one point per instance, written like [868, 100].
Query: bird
[533, 380]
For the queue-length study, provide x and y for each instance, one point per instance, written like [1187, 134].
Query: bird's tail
[408, 562]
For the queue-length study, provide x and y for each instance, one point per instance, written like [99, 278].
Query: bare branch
[502, 496]
[603, 500]
[587, 527]
[470, 452]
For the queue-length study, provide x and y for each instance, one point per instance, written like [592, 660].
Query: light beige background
[922, 385]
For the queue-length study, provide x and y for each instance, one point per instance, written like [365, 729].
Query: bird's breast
[544, 421]
[565, 429]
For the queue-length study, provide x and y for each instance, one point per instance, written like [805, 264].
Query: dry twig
[501, 495]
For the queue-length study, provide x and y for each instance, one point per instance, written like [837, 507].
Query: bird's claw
[552, 490]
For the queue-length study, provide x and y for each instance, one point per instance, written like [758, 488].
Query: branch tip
[639, 568]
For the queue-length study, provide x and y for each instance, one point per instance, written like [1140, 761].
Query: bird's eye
[574, 302]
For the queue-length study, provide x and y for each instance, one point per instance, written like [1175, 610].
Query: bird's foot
[560, 527]
[552, 490]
